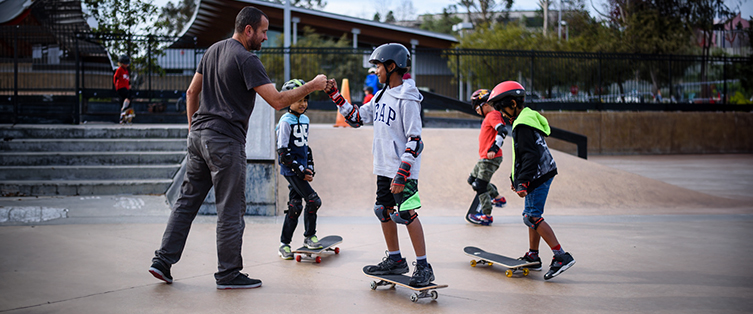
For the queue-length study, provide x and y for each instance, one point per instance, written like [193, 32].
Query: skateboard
[126, 117]
[327, 245]
[484, 257]
[475, 208]
[429, 291]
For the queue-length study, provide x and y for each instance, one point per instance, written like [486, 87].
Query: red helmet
[506, 88]
[479, 97]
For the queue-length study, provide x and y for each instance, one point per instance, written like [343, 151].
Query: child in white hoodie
[395, 112]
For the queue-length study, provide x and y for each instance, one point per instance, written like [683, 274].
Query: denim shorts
[536, 199]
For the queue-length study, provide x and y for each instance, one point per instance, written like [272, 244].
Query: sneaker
[528, 258]
[480, 219]
[285, 252]
[161, 272]
[499, 201]
[422, 276]
[312, 242]
[560, 263]
[240, 282]
[387, 267]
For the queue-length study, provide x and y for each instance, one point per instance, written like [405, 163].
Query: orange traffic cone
[345, 92]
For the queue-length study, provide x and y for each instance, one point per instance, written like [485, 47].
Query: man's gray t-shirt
[230, 73]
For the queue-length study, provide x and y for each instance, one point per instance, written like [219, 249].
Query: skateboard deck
[402, 280]
[327, 245]
[484, 257]
[475, 208]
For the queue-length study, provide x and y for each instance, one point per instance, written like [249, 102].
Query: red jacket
[488, 135]
[121, 78]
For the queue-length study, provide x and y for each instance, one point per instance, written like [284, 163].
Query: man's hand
[490, 155]
[522, 193]
[319, 82]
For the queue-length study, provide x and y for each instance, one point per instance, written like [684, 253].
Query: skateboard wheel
[414, 297]
[489, 264]
[337, 250]
[434, 294]
[298, 258]
[318, 259]
[373, 285]
[508, 273]
[473, 263]
[526, 271]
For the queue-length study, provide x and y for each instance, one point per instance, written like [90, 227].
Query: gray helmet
[124, 59]
[394, 52]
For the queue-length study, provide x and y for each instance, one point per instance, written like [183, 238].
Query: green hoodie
[545, 163]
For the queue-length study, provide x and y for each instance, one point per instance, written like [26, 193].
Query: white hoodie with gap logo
[396, 118]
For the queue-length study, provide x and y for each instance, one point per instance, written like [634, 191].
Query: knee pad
[480, 186]
[313, 202]
[382, 213]
[403, 217]
[294, 209]
[532, 222]
[471, 179]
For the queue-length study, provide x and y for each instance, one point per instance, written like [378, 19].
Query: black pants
[300, 192]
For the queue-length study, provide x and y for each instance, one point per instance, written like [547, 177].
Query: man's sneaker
[312, 242]
[529, 259]
[285, 252]
[161, 272]
[240, 282]
[422, 275]
[387, 267]
[560, 263]
[499, 201]
[480, 219]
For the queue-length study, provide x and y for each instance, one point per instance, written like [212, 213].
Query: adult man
[227, 80]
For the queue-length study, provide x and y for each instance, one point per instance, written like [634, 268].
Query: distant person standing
[122, 82]
[372, 80]
[227, 79]
[369, 94]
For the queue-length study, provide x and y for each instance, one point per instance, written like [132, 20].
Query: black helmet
[124, 59]
[479, 97]
[394, 52]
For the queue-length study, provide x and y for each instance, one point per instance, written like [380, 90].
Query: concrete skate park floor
[650, 234]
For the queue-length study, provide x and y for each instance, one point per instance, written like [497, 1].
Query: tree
[125, 29]
[390, 18]
[377, 17]
[544, 4]
[175, 17]
[444, 23]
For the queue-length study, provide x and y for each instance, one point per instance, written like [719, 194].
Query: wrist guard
[334, 94]
[402, 174]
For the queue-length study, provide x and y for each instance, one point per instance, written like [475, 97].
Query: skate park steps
[89, 159]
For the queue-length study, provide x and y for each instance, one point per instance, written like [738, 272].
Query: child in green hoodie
[533, 170]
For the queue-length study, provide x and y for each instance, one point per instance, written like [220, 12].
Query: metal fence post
[15, 74]
[670, 77]
[724, 78]
[77, 109]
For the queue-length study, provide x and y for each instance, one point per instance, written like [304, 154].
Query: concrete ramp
[345, 182]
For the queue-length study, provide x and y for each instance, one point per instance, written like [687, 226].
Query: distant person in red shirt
[122, 82]
[490, 140]
[369, 92]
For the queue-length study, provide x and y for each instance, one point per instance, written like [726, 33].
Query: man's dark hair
[248, 16]
[370, 89]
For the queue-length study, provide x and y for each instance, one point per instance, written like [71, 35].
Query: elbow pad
[414, 146]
